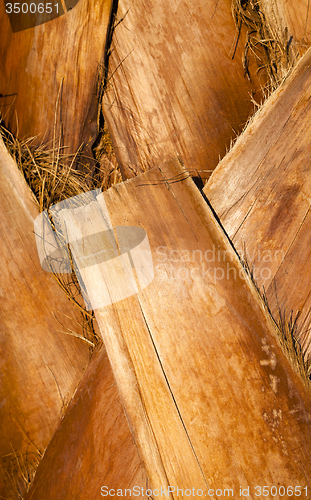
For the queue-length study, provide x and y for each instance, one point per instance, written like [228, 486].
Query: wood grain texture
[291, 15]
[261, 193]
[92, 447]
[40, 367]
[173, 86]
[210, 398]
[51, 70]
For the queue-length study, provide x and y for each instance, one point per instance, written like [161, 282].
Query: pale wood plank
[208, 394]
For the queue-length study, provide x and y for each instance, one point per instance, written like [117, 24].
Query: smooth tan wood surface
[92, 447]
[173, 86]
[40, 367]
[261, 193]
[210, 398]
[51, 70]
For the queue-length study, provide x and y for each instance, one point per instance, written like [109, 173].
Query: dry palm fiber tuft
[107, 172]
[51, 175]
[21, 469]
[287, 331]
[272, 47]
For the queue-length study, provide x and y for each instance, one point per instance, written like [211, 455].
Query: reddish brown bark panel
[261, 192]
[92, 447]
[61, 57]
[40, 366]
